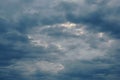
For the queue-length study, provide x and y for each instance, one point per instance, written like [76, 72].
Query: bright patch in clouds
[100, 35]
[68, 25]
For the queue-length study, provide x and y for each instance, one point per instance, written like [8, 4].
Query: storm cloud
[59, 39]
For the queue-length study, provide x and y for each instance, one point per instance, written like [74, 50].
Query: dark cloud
[34, 46]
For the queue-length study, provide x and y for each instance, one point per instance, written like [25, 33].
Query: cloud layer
[59, 40]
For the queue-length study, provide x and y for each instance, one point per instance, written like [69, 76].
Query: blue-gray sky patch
[59, 40]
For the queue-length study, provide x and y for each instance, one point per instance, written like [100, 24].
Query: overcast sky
[59, 39]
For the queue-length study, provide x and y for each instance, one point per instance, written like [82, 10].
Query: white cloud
[100, 35]
[68, 25]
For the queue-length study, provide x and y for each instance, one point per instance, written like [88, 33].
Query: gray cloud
[59, 39]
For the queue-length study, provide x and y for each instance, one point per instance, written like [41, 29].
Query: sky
[59, 39]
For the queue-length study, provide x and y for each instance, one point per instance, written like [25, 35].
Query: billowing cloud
[59, 39]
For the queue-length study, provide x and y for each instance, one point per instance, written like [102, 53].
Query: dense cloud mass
[59, 39]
